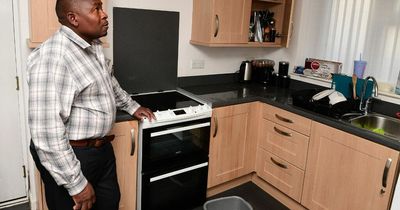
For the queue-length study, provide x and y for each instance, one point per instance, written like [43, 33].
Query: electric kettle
[245, 71]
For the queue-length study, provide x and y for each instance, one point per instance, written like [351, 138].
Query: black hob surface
[164, 101]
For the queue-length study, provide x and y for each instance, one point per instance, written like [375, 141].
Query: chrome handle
[215, 127]
[179, 129]
[133, 145]
[181, 171]
[283, 119]
[278, 163]
[282, 132]
[385, 175]
[216, 25]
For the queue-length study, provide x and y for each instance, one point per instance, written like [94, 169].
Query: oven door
[179, 189]
[175, 144]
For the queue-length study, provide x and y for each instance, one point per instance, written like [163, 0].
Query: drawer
[287, 119]
[279, 173]
[284, 143]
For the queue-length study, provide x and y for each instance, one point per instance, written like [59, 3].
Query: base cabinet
[347, 172]
[232, 144]
[125, 147]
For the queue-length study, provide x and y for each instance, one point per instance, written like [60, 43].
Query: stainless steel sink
[380, 124]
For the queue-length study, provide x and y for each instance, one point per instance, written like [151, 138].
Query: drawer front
[287, 119]
[279, 173]
[284, 143]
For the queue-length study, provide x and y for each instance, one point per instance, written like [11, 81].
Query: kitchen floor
[254, 195]
[250, 192]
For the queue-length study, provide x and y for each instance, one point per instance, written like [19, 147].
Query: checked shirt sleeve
[51, 92]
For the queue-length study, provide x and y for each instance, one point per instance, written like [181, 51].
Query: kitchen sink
[380, 124]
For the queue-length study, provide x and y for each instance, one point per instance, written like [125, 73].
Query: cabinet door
[220, 21]
[44, 21]
[347, 172]
[125, 149]
[232, 153]
[231, 21]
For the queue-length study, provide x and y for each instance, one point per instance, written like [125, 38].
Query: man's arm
[51, 93]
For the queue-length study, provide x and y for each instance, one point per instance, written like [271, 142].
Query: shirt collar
[70, 34]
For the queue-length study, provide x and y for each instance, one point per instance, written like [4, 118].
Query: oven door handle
[181, 171]
[179, 129]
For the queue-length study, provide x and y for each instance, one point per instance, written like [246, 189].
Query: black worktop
[232, 93]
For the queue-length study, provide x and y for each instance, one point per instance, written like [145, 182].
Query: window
[345, 29]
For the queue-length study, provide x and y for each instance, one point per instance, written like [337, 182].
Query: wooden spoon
[354, 80]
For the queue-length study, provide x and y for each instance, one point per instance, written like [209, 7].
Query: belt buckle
[98, 142]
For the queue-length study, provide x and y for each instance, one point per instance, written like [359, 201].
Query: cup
[359, 68]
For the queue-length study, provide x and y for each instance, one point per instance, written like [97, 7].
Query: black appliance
[175, 165]
[282, 79]
[263, 71]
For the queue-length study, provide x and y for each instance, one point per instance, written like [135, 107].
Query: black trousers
[98, 166]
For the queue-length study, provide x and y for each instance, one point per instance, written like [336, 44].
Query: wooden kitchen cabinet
[347, 172]
[232, 142]
[225, 23]
[44, 21]
[125, 147]
[282, 150]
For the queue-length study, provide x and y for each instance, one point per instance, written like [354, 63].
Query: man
[72, 104]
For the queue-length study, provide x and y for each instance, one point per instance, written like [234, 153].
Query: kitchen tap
[365, 107]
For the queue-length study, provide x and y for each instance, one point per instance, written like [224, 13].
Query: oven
[175, 165]
[173, 152]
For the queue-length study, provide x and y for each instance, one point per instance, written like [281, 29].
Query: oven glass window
[182, 142]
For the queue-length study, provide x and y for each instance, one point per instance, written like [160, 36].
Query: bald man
[73, 97]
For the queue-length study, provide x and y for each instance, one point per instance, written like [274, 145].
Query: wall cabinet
[232, 143]
[125, 149]
[282, 150]
[347, 172]
[226, 23]
[44, 21]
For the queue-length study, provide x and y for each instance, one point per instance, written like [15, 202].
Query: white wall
[217, 60]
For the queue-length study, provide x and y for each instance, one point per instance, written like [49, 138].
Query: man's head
[85, 17]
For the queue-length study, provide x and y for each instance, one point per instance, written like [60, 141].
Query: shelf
[249, 44]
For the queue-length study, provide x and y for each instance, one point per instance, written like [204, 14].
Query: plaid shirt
[72, 95]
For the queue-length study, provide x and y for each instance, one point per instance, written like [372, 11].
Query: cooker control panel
[175, 115]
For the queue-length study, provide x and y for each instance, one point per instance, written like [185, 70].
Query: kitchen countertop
[236, 93]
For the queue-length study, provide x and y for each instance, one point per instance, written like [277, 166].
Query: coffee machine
[282, 78]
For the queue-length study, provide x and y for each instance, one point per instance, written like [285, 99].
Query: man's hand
[144, 112]
[85, 199]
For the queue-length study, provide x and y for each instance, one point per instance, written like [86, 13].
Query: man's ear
[72, 19]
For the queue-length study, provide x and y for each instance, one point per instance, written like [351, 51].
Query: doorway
[12, 171]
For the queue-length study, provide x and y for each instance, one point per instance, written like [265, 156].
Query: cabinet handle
[283, 119]
[278, 163]
[133, 145]
[216, 25]
[385, 175]
[215, 127]
[282, 132]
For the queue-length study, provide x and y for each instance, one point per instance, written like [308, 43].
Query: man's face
[92, 20]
